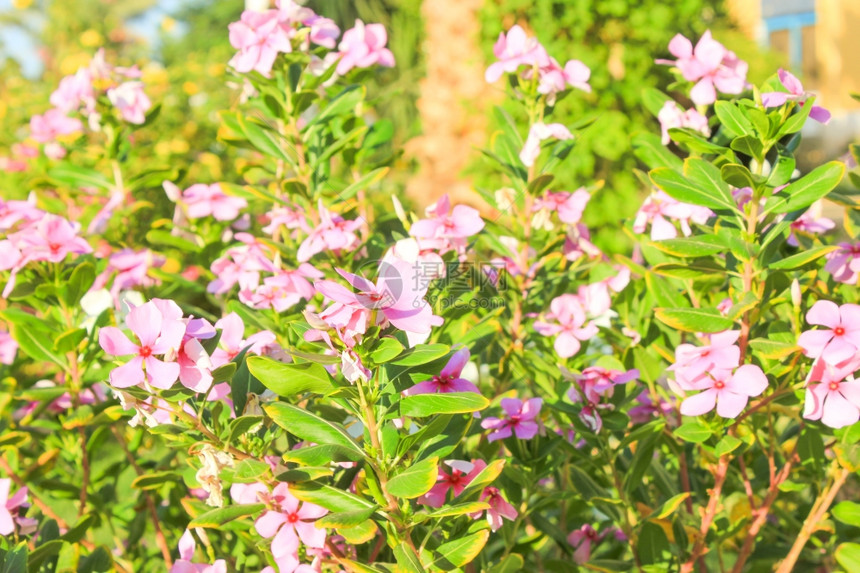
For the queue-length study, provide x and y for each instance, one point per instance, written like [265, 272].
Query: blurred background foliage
[184, 62]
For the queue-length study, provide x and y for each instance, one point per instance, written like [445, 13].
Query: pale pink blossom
[659, 210]
[283, 290]
[672, 115]
[498, 509]
[555, 79]
[129, 269]
[596, 381]
[333, 233]
[833, 394]
[513, 50]
[9, 508]
[795, 93]
[8, 348]
[840, 340]
[521, 419]
[448, 380]
[568, 206]
[157, 335]
[53, 124]
[291, 522]
[844, 263]
[447, 223]
[195, 364]
[50, 239]
[131, 101]
[537, 133]
[729, 392]
[259, 37]
[203, 200]
[809, 224]
[186, 555]
[75, 91]
[567, 322]
[693, 361]
[233, 340]
[363, 46]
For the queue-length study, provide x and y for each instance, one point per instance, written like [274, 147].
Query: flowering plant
[296, 374]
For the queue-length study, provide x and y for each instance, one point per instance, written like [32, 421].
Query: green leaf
[697, 246]
[694, 319]
[387, 349]
[651, 151]
[670, 506]
[795, 121]
[422, 405]
[782, 170]
[461, 551]
[727, 444]
[363, 183]
[331, 498]
[155, 480]
[748, 145]
[416, 480]
[652, 543]
[484, 478]
[513, 563]
[249, 470]
[694, 141]
[802, 258]
[15, 560]
[79, 177]
[454, 510]
[156, 237]
[221, 515]
[737, 175]
[322, 454]
[682, 189]
[421, 354]
[692, 432]
[99, 561]
[732, 119]
[263, 139]
[82, 278]
[42, 552]
[292, 379]
[342, 519]
[407, 560]
[32, 337]
[806, 190]
[847, 512]
[848, 556]
[242, 425]
[772, 349]
[689, 270]
[654, 100]
[708, 176]
[69, 340]
[310, 427]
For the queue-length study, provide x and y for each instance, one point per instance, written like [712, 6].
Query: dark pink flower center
[833, 386]
[292, 517]
[55, 247]
[719, 384]
[443, 380]
[838, 331]
[454, 479]
[145, 351]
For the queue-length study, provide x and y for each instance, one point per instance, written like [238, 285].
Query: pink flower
[186, 554]
[129, 269]
[241, 264]
[8, 348]
[157, 334]
[232, 340]
[9, 507]
[397, 296]
[841, 340]
[582, 539]
[290, 522]
[729, 392]
[74, 91]
[514, 50]
[721, 353]
[659, 208]
[835, 400]
[520, 419]
[844, 263]
[448, 379]
[284, 290]
[596, 381]
[809, 224]
[498, 509]
[555, 79]
[51, 239]
[710, 65]
[461, 475]
[131, 101]
[569, 206]
[203, 200]
[259, 37]
[795, 93]
[53, 124]
[364, 46]
[537, 133]
[671, 115]
[195, 364]
[333, 233]
[446, 223]
[568, 326]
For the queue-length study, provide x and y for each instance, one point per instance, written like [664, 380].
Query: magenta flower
[131, 101]
[659, 209]
[448, 380]
[596, 381]
[568, 325]
[9, 507]
[363, 46]
[53, 124]
[186, 554]
[157, 335]
[446, 223]
[710, 65]
[514, 50]
[795, 93]
[537, 133]
[259, 37]
[289, 521]
[729, 392]
[520, 419]
[203, 200]
[498, 509]
[461, 475]
[841, 340]
[692, 361]
[844, 263]
[582, 539]
[809, 224]
[672, 115]
[835, 399]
